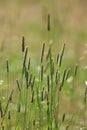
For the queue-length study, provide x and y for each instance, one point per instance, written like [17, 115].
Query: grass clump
[38, 100]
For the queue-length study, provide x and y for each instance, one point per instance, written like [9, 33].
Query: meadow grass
[50, 98]
[36, 102]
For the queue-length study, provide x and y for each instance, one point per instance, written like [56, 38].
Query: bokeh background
[28, 18]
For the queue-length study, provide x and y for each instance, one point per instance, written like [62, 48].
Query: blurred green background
[28, 18]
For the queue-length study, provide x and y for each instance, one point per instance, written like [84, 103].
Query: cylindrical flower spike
[48, 26]
[7, 66]
[23, 44]
[42, 52]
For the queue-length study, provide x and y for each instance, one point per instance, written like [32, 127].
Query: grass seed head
[63, 79]
[48, 83]
[7, 66]
[63, 117]
[41, 73]
[32, 99]
[85, 95]
[18, 85]
[76, 68]
[48, 54]
[8, 102]
[42, 95]
[25, 57]
[29, 64]
[1, 111]
[9, 115]
[23, 44]
[19, 107]
[57, 77]
[48, 25]
[26, 76]
[64, 74]
[61, 55]
[33, 122]
[67, 75]
[30, 79]
[42, 52]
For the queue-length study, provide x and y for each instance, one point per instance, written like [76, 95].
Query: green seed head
[42, 52]
[48, 26]
[23, 44]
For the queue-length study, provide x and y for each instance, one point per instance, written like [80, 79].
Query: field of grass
[51, 93]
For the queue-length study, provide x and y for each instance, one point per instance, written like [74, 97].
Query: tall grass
[38, 98]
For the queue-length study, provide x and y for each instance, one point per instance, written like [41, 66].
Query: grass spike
[18, 85]
[1, 111]
[26, 76]
[61, 55]
[63, 79]
[67, 75]
[23, 44]
[57, 76]
[63, 117]
[19, 107]
[6, 108]
[48, 83]
[64, 74]
[41, 73]
[9, 115]
[32, 99]
[76, 68]
[25, 57]
[48, 25]
[29, 63]
[30, 80]
[42, 52]
[33, 122]
[7, 65]
[48, 54]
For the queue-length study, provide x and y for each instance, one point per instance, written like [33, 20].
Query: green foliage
[38, 100]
